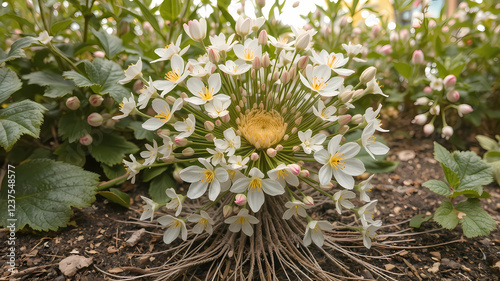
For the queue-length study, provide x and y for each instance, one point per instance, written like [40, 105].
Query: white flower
[203, 222]
[132, 72]
[204, 94]
[230, 143]
[283, 174]
[44, 37]
[368, 140]
[220, 44]
[146, 94]
[217, 107]
[309, 143]
[163, 113]
[436, 83]
[242, 221]
[257, 186]
[133, 168]
[151, 154]
[170, 50]
[295, 207]
[318, 80]
[203, 178]
[366, 213]
[325, 113]
[167, 147]
[364, 187]
[338, 161]
[368, 233]
[341, 197]
[233, 68]
[303, 38]
[175, 201]
[353, 50]
[243, 26]
[237, 162]
[313, 232]
[217, 156]
[126, 107]
[201, 60]
[174, 76]
[257, 23]
[281, 42]
[332, 60]
[196, 30]
[186, 127]
[372, 87]
[199, 70]
[250, 50]
[370, 116]
[175, 226]
[149, 209]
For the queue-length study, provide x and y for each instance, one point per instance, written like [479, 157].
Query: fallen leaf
[70, 265]
[115, 270]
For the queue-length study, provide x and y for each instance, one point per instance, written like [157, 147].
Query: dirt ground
[99, 232]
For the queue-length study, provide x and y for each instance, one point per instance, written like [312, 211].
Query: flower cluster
[245, 117]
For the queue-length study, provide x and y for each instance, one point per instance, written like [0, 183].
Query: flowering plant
[254, 110]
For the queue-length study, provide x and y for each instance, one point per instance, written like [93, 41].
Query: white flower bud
[210, 137]
[308, 200]
[435, 110]
[263, 37]
[464, 109]
[73, 103]
[420, 119]
[96, 100]
[327, 187]
[227, 210]
[343, 129]
[302, 62]
[226, 118]
[421, 101]
[303, 41]
[196, 30]
[304, 173]
[187, 152]
[453, 96]
[254, 156]
[357, 119]
[447, 132]
[181, 141]
[344, 119]
[163, 132]
[296, 148]
[271, 152]
[213, 55]
[418, 57]
[428, 129]
[449, 81]
[243, 26]
[95, 119]
[209, 126]
[368, 75]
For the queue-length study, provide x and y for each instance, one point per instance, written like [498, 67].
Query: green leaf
[159, 185]
[116, 196]
[45, 192]
[71, 153]
[170, 9]
[112, 45]
[80, 80]
[404, 69]
[451, 177]
[24, 117]
[111, 148]
[140, 133]
[61, 25]
[472, 194]
[438, 187]
[496, 171]
[72, 126]
[115, 171]
[476, 221]
[149, 17]
[9, 83]
[417, 220]
[472, 170]
[57, 85]
[151, 173]
[226, 14]
[446, 216]
[20, 20]
[443, 156]
[492, 156]
[16, 50]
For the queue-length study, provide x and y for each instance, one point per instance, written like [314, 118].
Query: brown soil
[100, 233]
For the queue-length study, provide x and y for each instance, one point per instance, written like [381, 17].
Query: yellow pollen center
[242, 220]
[231, 173]
[174, 224]
[255, 185]
[372, 139]
[168, 46]
[318, 83]
[173, 75]
[282, 174]
[121, 105]
[262, 129]
[203, 221]
[209, 176]
[248, 54]
[206, 94]
[331, 60]
[163, 116]
[335, 161]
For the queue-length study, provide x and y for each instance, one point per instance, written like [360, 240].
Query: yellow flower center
[174, 224]
[203, 221]
[318, 83]
[231, 173]
[262, 128]
[248, 54]
[330, 61]
[242, 220]
[336, 161]
[121, 105]
[372, 139]
[206, 94]
[282, 174]
[209, 176]
[168, 46]
[164, 116]
[255, 185]
[173, 75]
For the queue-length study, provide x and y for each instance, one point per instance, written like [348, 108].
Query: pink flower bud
[163, 133]
[209, 126]
[96, 100]
[294, 168]
[449, 81]
[95, 119]
[303, 41]
[453, 96]
[263, 37]
[218, 123]
[327, 186]
[428, 90]
[256, 63]
[386, 49]
[271, 152]
[304, 173]
[99, 54]
[226, 118]
[344, 119]
[254, 156]
[265, 62]
[447, 132]
[285, 77]
[295, 4]
[213, 55]
[86, 139]
[445, 29]
[181, 141]
[428, 129]
[302, 62]
[296, 148]
[209, 137]
[279, 147]
[73, 103]
[421, 101]
[196, 30]
[356, 30]
[420, 119]
[343, 21]
[368, 75]
[240, 199]
[187, 152]
[418, 57]
[308, 200]
[261, 3]
[464, 109]
[346, 96]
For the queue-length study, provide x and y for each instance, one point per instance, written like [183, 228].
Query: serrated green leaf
[45, 192]
[16, 50]
[170, 9]
[472, 170]
[451, 177]
[488, 143]
[443, 156]
[80, 80]
[471, 194]
[438, 187]
[112, 45]
[404, 69]
[446, 216]
[117, 196]
[71, 153]
[476, 221]
[417, 220]
[111, 148]
[159, 185]
[140, 133]
[115, 171]
[24, 117]
[72, 126]
[60, 25]
[151, 173]
[9, 83]
[57, 86]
